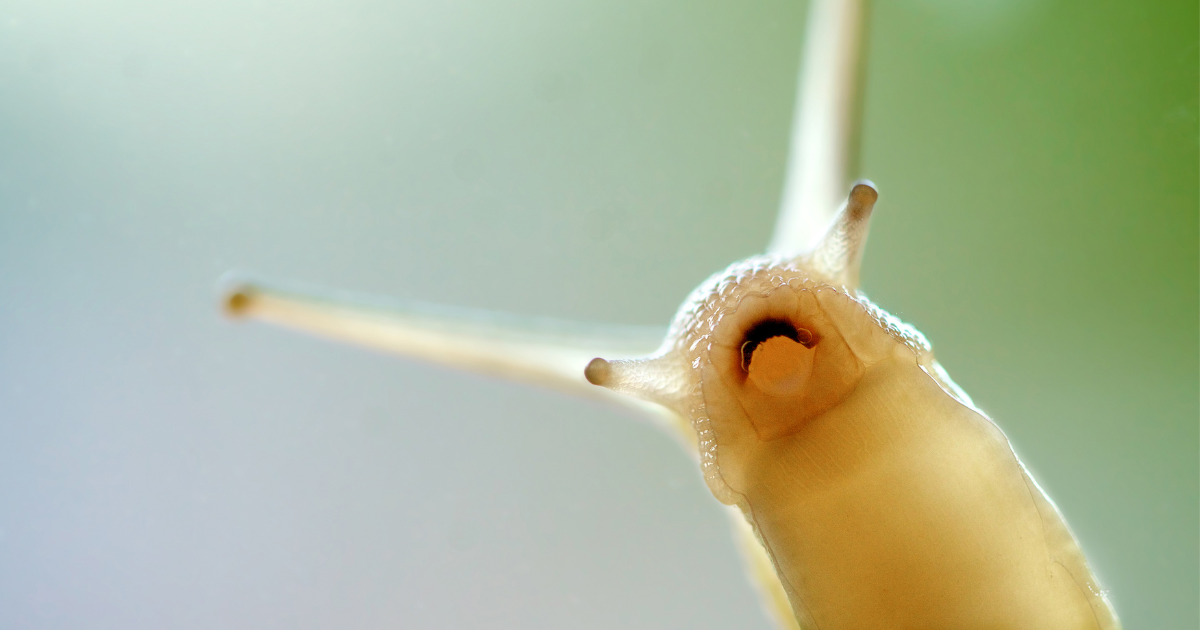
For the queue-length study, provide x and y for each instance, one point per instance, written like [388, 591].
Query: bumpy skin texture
[883, 497]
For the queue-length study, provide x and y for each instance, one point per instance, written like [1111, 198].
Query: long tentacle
[825, 129]
[555, 354]
[538, 351]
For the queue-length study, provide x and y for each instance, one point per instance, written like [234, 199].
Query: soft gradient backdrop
[163, 468]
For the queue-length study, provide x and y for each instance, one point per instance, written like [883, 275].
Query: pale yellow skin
[882, 496]
[865, 489]
[901, 506]
[876, 494]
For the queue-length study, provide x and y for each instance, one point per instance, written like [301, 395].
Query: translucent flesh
[898, 506]
[824, 127]
[538, 351]
[874, 494]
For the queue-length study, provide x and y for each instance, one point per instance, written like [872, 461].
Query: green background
[160, 467]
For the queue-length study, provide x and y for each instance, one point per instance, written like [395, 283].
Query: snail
[864, 487]
[882, 496]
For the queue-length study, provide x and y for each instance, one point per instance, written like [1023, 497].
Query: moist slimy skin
[888, 503]
[865, 489]
[883, 498]
[783, 362]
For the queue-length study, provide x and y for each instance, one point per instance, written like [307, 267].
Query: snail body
[881, 495]
[865, 489]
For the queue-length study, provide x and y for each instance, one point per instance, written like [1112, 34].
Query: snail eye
[771, 328]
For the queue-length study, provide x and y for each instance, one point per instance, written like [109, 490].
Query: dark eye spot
[769, 328]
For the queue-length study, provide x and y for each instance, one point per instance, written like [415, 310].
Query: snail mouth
[769, 329]
[780, 362]
[780, 367]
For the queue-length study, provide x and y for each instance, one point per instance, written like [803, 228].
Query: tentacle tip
[237, 301]
[237, 293]
[864, 191]
[863, 196]
[598, 371]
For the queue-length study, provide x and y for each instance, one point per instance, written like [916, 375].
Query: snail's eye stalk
[531, 350]
[237, 303]
[839, 254]
[598, 372]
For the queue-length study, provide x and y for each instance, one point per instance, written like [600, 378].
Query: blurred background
[162, 467]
